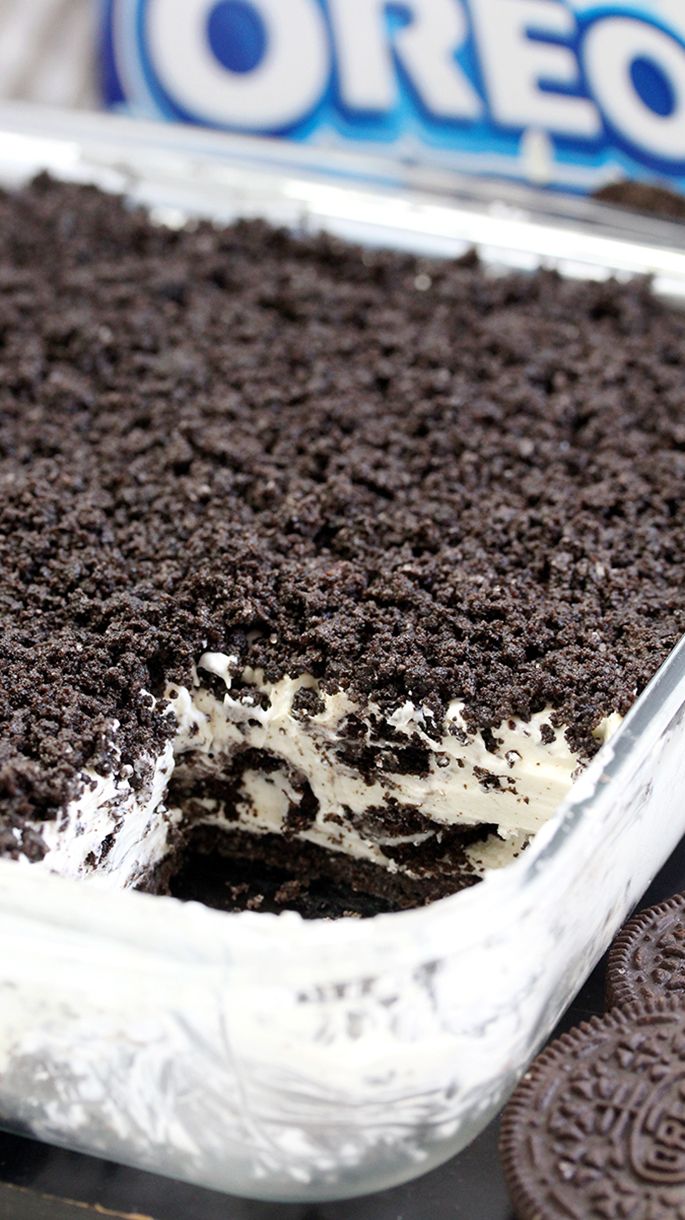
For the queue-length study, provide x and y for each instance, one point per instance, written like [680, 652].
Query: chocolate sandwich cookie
[596, 1128]
[647, 959]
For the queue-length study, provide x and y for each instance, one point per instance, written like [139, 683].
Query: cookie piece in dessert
[596, 1128]
[338, 559]
[647, 959]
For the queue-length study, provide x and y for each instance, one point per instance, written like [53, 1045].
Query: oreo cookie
[647, 959]
[596, 1128]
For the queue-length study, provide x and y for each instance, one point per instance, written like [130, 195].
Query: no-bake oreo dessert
[324, 566]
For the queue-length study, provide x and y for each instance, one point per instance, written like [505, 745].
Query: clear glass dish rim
[73, 143]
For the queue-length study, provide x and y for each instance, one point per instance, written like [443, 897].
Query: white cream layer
[515, 788]
[112, 833]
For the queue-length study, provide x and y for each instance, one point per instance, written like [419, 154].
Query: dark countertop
[42, 1183]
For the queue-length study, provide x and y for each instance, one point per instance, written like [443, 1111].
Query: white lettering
[514, 66]
[280, 90]
[610, 49]
[426, 48]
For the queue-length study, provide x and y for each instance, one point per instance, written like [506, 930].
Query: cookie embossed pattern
[286, 1060]
[647, 959]
[597, 1128]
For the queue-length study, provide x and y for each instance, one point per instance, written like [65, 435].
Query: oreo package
[571, 94]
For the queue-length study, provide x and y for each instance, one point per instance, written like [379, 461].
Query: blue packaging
[569, 94]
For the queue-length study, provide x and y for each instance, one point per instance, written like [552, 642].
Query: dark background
[41, 1183]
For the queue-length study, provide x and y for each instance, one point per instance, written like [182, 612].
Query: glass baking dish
[267, 1056]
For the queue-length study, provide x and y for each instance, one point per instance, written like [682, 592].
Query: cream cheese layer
[512, 782]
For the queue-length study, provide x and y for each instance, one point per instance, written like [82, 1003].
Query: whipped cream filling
[515, 784]
[512, 782]
[113, 832]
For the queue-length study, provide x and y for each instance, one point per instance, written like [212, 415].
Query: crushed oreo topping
[277, 447]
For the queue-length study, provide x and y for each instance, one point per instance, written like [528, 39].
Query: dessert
[647, 959]
[339, 560]
[597, 1126]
